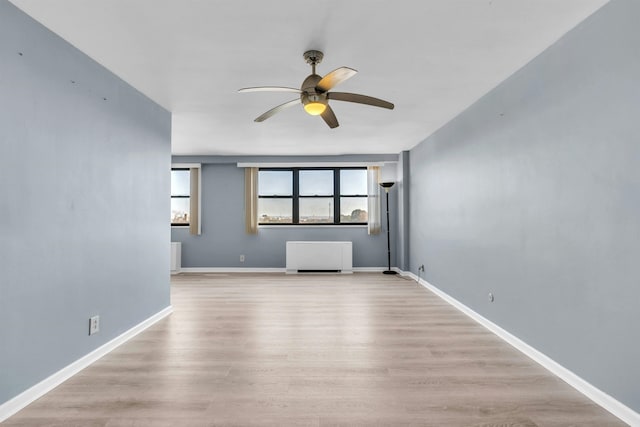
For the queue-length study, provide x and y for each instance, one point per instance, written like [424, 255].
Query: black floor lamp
[387, 186]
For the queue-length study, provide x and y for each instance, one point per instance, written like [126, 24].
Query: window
[312, 196]
[275, 196]
[180, 196]
[353, 196]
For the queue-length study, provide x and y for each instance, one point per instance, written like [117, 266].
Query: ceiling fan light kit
[315, 108]
[314, 92]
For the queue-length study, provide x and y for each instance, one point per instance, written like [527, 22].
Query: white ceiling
[432, 58]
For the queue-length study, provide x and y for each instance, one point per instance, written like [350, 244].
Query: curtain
[194, 202]
[251, 199]
[373, 191]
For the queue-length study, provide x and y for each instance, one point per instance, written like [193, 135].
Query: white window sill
[313, 226]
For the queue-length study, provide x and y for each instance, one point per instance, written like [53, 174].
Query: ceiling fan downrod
[313, 58]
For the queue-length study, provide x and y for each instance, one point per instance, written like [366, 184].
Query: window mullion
[296, 197]
[336, 196]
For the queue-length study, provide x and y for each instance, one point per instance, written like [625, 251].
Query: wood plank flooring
[312, 350]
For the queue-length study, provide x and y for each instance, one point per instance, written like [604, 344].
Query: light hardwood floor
[312, 350]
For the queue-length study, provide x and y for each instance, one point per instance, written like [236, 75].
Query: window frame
[295, 196]
[182, 224]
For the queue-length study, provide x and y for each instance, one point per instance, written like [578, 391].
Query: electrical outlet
[421, 268]
[491, 298]
[94, 325]
[241, 258]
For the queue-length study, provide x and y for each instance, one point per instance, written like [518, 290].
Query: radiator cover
[320, 256]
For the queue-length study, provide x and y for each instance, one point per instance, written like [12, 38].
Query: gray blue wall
[403, 229]
[533, 194]
[224, 239]
[84, 201]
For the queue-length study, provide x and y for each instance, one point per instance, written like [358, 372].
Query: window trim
[295, 196]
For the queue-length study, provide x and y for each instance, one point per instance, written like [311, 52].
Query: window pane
[353, 209]
[275, 183]
[316, 183]
[180, 183]
[353, 182]
[180, 210]
[316, 210]
[275, 211]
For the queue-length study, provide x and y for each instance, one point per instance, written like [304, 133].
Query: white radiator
[176, 257]
[319, 256]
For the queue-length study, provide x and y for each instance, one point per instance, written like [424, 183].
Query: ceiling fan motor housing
[309, 93]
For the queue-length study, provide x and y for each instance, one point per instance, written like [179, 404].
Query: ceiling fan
[315, 95]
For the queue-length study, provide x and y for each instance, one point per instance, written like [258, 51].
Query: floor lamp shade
[387, 186]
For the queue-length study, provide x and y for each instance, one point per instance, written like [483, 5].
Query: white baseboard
[231, 270]
[264, 270]
[12, 406]
[598, 396]
[289, 272]
[369, 269]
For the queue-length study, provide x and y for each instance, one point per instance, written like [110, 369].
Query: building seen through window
[180, 196]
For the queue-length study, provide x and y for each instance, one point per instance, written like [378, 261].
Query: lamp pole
[387, 186]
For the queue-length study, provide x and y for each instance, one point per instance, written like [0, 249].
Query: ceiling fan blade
[277, 109]
[269, 89]
[330, 118]
[334, 78]
[360, 99]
